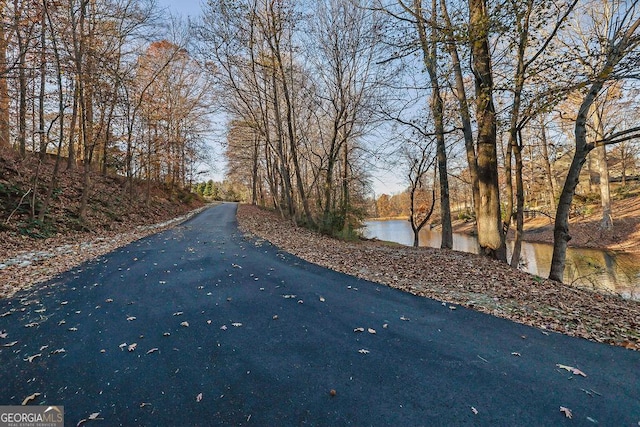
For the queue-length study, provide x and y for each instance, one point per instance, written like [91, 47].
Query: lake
[603, 270]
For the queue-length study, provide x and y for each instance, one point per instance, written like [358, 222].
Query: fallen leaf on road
[62, 322]
[574, 371]
[474, 410]
[236, 324]
[178, 313]
[385, 326]
[131, 318]
[185, 324]
[275, 317]
[406, 319]
[223, 327]
[132, 347]
[288, 296]
[322, 299]
[566, 411]
[358, 330]
[10, 344]
[371, 331]
[123, 345]
[59, 351]
[152, 350]
[108, 300]
[199, 397]
[30, 358]
[44, 347]
[300, 302]
[92, 417]
[166, 334]
[31, 325]
[73, 329]
[3, 334]
[30, 398]
[364, 351]
[516, 354]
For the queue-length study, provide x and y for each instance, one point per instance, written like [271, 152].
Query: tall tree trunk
[561, 234]
[54, 176]
[463, 108]
[547, 163]
[43, 83]
[603, 169]
[430, 54]
[22, 81]
[5, 134]
[517, 242]
[490, 234]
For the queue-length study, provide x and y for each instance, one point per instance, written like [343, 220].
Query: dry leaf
[152, 350]
[236, 324]
[3, 334]
[92, 417]
[108, 300]
[30, 398]
[59, 351]
[178, 313]
[199, 397]
[131, 318]
[31, 325]
[275, 317]
[223, 327]
[406, 319]
[123, 345]
[44, 347]
[132, 347]
[371, 331]
[364, 351]
[516, 354]
[73, 329]
[185, 324]
[30, 358]
[474, 410]
[322, 299]
[300, 302]
[358, 330]
[166, 334]
[574, 371]
[566, 411]
[10, 344]
[288, 296]
[385, 326]
[62, 322]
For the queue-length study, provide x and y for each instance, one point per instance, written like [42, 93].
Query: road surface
[201, 325]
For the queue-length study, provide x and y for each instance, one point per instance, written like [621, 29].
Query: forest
[483, 108]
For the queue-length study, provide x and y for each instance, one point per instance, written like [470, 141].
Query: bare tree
[616, 35]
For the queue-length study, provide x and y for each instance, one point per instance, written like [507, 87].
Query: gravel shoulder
[457, 278]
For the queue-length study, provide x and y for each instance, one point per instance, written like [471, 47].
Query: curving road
[229, 330]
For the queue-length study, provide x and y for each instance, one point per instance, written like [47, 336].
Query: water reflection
[603, 270]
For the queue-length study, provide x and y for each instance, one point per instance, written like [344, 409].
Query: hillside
[113, 207]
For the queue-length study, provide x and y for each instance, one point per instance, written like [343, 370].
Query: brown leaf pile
[460, 278]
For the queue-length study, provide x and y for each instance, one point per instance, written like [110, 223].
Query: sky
[183, 7]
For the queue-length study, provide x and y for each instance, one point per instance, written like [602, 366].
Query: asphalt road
[229, 330]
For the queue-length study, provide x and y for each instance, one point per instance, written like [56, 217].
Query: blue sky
[183, 7]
